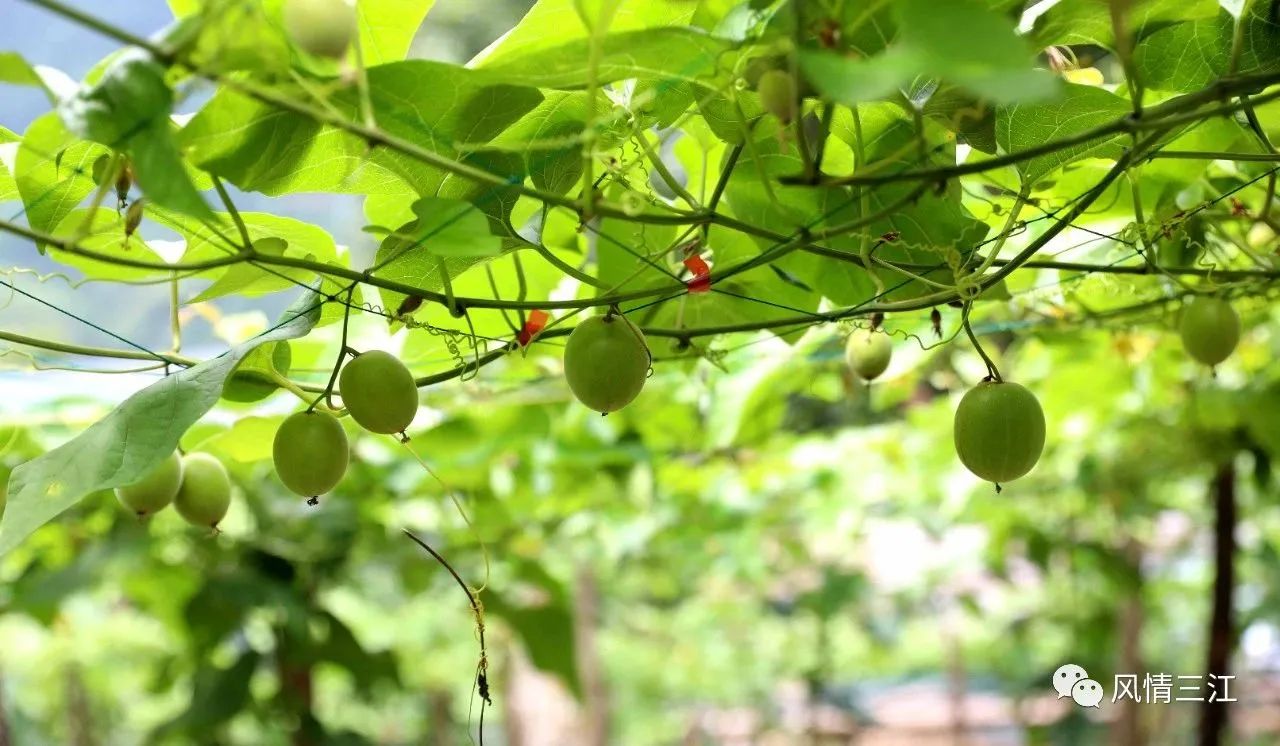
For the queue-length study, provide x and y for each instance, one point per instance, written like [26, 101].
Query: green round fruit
[379, 392]
[324, 28]
[243, 386]
[310, 453]
[999, 431]
[1210, 329]
[868, 353]
[777, 89]
[205, 494]
[154, 491]
[606, 362]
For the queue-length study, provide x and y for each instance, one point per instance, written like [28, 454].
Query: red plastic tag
[532, 325]
[701, 280]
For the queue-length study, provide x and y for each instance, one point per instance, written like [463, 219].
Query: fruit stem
[343, 349]
[992, 371]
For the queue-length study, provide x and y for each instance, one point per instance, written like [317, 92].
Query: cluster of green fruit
[310, 450]
[197, 484]
[999, 427]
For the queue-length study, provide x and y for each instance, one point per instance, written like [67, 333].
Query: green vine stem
[993, 372]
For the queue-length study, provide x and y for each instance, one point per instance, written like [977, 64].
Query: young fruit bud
[1210, 329]
[124, 182]
[155, 490]
[133, 217]
[778, 94]
[606, 362]
[324, 28]
[379, 392]
[868, 353]
[205, 494]
[310, 453]
[999, 431]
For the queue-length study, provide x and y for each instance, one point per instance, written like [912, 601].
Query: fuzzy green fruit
[999, 431]
[868, 353]
[606, 362]
[311, 453]
[379, 392]
[778, 93]
[155, 490]
[205, 494]
[324, 28]
[1210, 329]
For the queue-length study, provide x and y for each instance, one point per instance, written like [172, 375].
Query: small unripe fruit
[379, 392]
[1210, 329]
[311, 453]
[324, 28]
[155, 490]
[999, 431]
[777, 89]
[868, 353]
[205, 494]
[606, 362]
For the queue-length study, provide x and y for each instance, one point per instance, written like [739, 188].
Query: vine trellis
[1150, 130]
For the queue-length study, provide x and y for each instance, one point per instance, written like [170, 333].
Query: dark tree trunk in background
[79, 714]
[296, 691]
[595, 689]
[6, 738]
[440, 723]
[1126, 729]
[1213, 717]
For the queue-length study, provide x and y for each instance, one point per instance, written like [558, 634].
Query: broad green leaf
[54, 171]
[549, 139]
[15, 70]
[229, 35]
[104, 235]
[628, 254]
[987, 58]
[447, 234]
[554, 24]
[128, 109]
[131, 95]
[850, 80]
[252, 279]
[432, 104]
[254, 379]
[687, 54]
[249, 439]
[160, 171]
[387, 27]
[1089, 21]
[417, 268]
[134, 438]
[8, 164]
[209, 240]
[552, 45]
[448, 227]
[1023, 126]
[1189, 56]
